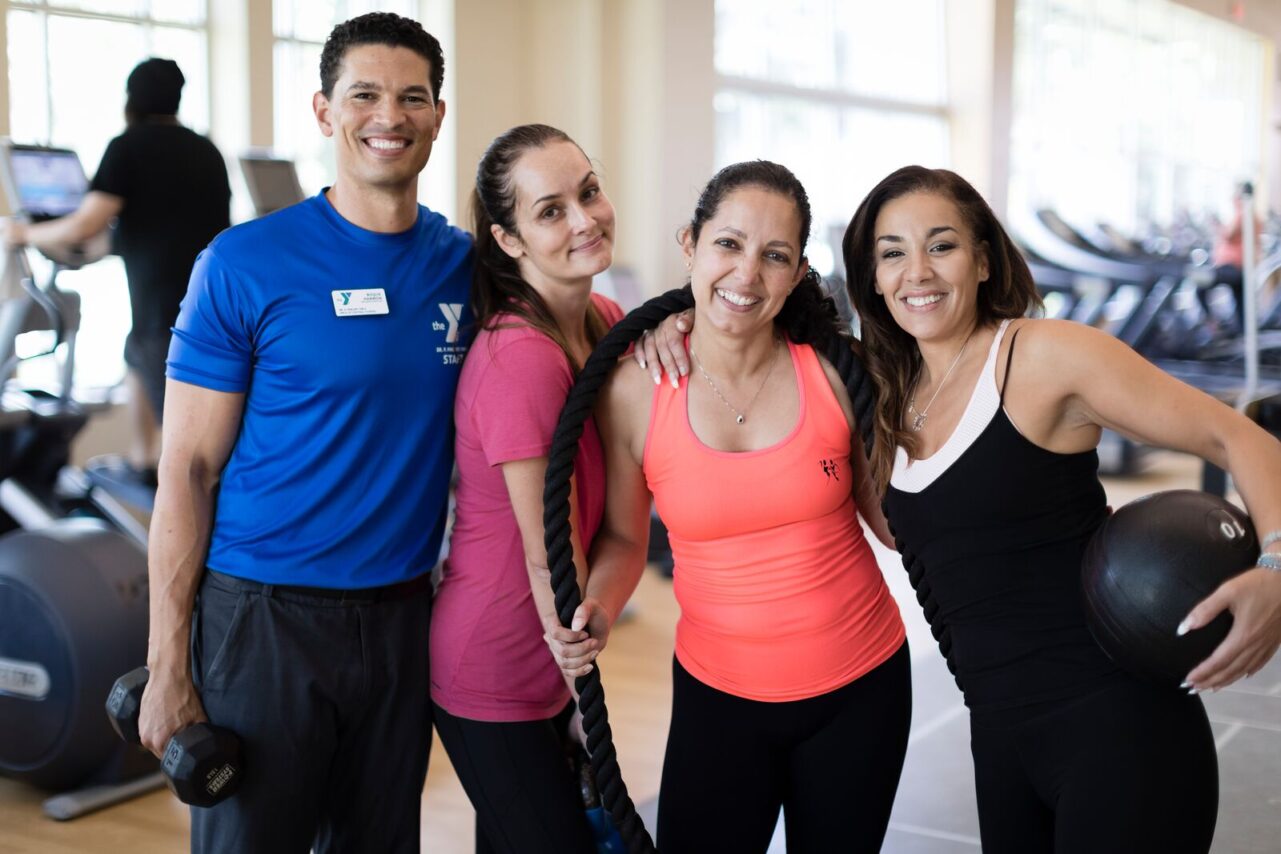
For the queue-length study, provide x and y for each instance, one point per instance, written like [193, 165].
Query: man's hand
[169, 705]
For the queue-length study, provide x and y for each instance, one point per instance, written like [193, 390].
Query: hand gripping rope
[560, 556]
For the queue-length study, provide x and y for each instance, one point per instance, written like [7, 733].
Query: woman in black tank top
[989, 467]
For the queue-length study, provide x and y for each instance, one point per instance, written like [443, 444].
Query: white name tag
[353, 303]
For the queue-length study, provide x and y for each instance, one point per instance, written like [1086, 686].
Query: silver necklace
[919, 416]
[740, 415]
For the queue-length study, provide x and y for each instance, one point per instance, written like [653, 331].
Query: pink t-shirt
[489, 661]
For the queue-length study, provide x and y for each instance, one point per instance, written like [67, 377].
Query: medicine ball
[1149, 564]
[73, 617]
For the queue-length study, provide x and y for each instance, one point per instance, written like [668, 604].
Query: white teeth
[386, 144]
[736, 299]
[917, 302]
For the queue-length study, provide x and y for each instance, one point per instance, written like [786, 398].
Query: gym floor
[934, 812]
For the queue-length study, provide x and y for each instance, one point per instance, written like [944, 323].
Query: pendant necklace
[919, 416]
[740, 415]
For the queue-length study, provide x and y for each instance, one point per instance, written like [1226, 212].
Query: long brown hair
[891, 354]
[497, 285]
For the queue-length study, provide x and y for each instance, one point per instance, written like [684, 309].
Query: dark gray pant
[331, 701]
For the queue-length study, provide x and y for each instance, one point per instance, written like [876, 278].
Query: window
[53, 101]
[1132, 113]
[301, 27]
[817, 86]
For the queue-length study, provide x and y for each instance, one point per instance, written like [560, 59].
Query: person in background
[166, 188]
[1228, 258]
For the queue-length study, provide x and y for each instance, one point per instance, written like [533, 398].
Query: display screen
[272, 183]
[49, 182]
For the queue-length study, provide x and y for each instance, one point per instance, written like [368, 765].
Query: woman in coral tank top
[791, 675]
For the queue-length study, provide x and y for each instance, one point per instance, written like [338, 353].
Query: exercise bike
[73, 568]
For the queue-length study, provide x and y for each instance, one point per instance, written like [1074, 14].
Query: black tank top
[1000, 534]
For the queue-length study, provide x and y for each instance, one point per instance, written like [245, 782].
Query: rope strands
[560, 554]
[839, 351]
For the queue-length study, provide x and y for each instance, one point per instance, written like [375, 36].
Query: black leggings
[831, 762]
[527, 800]
[1130, 769]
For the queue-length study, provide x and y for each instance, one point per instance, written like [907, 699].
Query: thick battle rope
[560, 554]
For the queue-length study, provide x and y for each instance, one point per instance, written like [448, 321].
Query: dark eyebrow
[742, 235]
[586, 178]
[370, 86]
[936, 230]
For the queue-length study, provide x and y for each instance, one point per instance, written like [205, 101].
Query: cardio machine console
[44, 183]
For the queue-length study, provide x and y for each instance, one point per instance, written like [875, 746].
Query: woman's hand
[663, 349]
[576, 647]
[1254, 599]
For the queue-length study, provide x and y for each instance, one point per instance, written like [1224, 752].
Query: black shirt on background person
[167, 188]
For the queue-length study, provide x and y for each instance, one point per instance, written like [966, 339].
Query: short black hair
[386, 28]
[154, 88]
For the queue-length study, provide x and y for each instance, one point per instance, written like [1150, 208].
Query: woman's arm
[619, 549]
[1099, 382]
[866, 497]
[524, 479]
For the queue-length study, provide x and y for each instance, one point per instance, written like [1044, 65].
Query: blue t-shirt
[340, 474]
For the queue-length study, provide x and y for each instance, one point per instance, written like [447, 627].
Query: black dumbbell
[202, 763]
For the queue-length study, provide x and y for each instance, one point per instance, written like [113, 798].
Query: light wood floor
[637, 670]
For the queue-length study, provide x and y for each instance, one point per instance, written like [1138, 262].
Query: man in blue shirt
[311, 380]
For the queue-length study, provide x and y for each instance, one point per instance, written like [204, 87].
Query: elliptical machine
[73, 567]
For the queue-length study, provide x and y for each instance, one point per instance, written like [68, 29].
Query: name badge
[355, 303]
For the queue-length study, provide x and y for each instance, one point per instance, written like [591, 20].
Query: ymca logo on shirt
[453, 312]
[451, 351]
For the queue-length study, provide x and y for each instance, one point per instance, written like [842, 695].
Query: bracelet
[1270, 538]
[1271, 561]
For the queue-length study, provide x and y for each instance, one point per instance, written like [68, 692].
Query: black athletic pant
[831, 762]
[330, 700]
[1128, 769]
[526, 798]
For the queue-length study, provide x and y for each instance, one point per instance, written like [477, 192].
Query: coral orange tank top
[781, 598]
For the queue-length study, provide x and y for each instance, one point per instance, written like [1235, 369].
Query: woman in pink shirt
[544, 228]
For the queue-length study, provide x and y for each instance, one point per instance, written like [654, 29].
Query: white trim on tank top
[916, 475]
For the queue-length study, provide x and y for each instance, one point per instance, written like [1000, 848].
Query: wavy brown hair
[497, 284]
[891, 354]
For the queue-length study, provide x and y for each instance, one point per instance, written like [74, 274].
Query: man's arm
[92, 217]
[200, 427]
